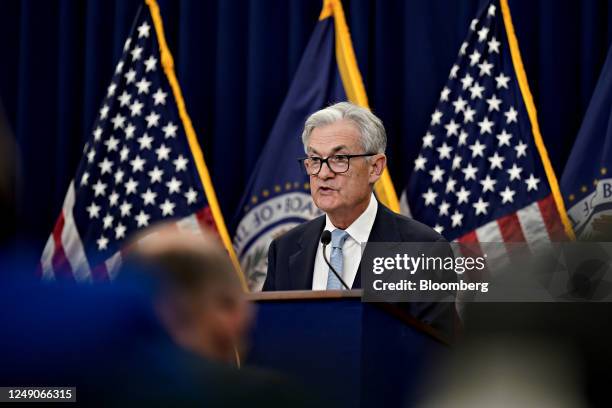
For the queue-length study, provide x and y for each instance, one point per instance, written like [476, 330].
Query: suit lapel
[384, 229]
[301, 263]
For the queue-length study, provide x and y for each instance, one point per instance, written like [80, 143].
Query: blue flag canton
[478, 161]
[137, 166]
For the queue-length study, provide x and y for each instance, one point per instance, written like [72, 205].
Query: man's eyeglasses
[338, 163]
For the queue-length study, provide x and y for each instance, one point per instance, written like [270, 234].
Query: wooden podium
[351, 353]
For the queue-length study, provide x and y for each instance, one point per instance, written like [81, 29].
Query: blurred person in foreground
[8, 179]
[162, 334]
[549, 350]
[195, 290]
[197, 296]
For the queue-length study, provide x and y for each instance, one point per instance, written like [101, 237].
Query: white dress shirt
[359, 232]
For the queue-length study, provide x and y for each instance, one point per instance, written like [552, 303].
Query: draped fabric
[235, 60]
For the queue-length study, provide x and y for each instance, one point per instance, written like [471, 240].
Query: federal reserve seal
[264, 223]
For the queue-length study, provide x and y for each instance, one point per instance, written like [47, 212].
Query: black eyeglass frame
[325, 160]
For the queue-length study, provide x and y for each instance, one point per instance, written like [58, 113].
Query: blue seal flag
[277, 197]
[585, 183]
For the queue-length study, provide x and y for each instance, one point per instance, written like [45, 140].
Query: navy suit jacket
[291, 260]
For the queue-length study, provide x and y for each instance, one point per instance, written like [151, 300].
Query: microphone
[325, 240]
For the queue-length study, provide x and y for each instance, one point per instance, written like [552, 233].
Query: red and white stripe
[64, 255]
[64, 250]
[536, 225]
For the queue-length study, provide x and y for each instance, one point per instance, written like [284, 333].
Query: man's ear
[174, 312]
[377, 166]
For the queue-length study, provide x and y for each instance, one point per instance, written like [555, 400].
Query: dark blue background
[234, 60]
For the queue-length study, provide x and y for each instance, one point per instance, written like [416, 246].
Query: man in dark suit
[345, 146]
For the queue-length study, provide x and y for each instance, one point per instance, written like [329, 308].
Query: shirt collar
[360, 229]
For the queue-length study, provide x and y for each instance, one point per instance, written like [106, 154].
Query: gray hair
[373, 136]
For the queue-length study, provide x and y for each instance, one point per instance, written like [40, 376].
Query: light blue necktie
[336, 260]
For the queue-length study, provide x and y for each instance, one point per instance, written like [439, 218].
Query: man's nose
[325, 172]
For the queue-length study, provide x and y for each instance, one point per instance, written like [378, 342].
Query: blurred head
[8, 178]
[334, 133]
[197, 294]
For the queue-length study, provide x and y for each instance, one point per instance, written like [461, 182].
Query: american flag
[479, 176]
[138, 166]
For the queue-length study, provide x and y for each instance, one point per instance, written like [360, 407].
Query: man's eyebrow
[338, 148]
[334, 150]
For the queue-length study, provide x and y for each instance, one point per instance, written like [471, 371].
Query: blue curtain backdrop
[235, 59]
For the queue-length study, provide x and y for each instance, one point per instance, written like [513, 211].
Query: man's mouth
[325, 189]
